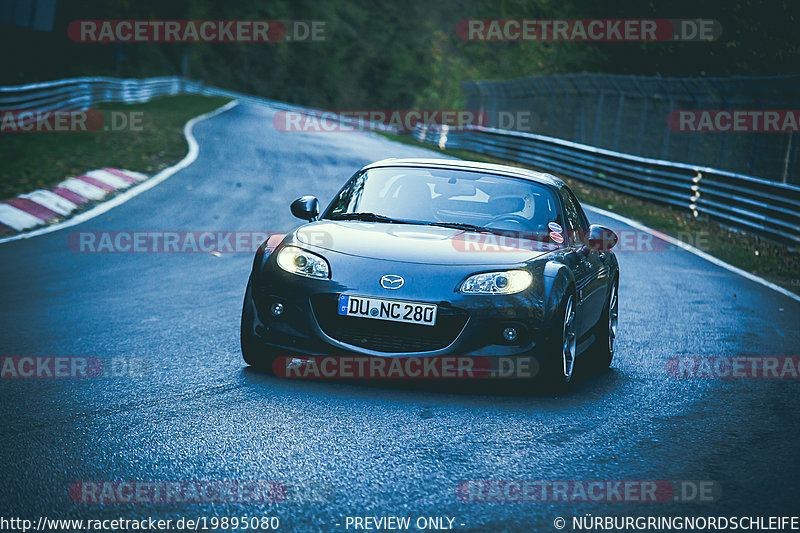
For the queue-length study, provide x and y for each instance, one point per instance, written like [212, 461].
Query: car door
[589, 264]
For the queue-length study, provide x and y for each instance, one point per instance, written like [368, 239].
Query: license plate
[392, 310]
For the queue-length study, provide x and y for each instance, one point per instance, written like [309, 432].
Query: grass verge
[771, 261]
[41, 160]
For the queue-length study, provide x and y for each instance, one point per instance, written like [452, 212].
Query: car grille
[386, 336]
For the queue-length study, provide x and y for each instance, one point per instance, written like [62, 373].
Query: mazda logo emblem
[390, 281]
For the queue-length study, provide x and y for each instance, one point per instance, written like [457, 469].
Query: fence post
[642, 115]
[620, 106]
[667, 131]
[598, 116]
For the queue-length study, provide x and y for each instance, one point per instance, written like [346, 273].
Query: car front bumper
[467, 325]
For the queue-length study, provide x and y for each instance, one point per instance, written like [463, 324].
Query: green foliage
[401, 54]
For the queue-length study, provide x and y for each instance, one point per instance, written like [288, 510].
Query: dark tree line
[401, 54]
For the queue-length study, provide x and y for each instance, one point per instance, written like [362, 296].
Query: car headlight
[298, 261]
[507, 282]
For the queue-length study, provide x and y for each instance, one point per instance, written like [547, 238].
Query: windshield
[448, 197]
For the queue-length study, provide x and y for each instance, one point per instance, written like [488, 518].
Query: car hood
[418, 244]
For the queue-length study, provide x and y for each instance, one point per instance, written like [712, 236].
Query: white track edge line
[696, 251]
[188, 159]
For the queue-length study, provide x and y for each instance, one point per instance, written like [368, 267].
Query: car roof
[458, 164]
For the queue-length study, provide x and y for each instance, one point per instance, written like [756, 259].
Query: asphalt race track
[363, 449]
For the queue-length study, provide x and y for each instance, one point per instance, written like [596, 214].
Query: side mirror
[306, 208]
[601, 238]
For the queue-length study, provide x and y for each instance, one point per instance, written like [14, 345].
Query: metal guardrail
[79, 94]
[758, 206]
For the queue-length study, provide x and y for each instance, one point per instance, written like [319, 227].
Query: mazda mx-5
[435, 257]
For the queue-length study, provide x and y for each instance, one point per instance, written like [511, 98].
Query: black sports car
[435, 257]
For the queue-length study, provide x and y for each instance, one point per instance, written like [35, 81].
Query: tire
[557, 361]
[253, 352]
[605, 331]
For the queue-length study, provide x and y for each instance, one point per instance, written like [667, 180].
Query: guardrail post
[620, 106]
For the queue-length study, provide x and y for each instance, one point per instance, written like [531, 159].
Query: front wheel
[558, 359]
[253, 351]
[605, 332]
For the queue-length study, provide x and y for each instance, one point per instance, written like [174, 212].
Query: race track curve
[200, 414]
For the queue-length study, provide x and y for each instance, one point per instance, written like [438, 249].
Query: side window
[575, 219]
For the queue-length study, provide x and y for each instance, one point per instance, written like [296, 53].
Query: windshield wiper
[481, 229]
[459, 225]
[366, 217]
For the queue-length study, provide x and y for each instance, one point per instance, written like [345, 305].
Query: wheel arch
[558, 280]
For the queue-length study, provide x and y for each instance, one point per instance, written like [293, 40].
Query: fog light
[277, 309]
[510, 334]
